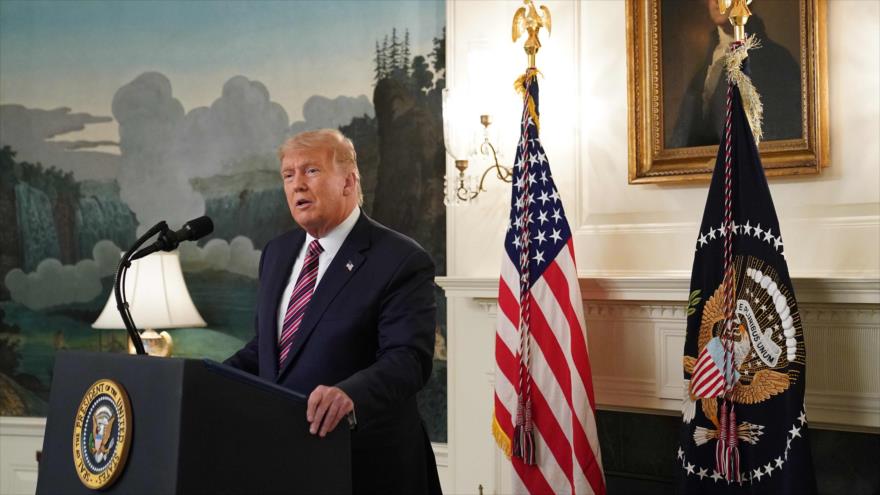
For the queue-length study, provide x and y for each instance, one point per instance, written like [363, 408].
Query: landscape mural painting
[116, 115]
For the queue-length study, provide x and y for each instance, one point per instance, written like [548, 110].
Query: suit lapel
[275, 284]
[344, 265]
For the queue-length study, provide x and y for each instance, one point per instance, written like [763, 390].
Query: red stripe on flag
[559, 286]
[531, 477]
[544, 420]
[712, 389]
[556, 360]
[508, 304]
[507, 363]
[502, 415]
[551, 432]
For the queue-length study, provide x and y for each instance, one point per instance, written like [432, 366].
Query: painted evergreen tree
[380, 62]
[404, 62]
[394, 52]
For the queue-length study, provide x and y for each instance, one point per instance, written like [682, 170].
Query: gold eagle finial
[528, 19]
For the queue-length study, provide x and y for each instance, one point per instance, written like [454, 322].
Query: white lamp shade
[459, 126]
[157, 296]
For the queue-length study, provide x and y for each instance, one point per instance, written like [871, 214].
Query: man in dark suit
[346, 314]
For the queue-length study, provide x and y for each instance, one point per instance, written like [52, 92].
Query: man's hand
[327, 406]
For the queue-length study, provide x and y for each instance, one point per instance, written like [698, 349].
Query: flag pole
[727, 449]
[527, 19]
[738, 14]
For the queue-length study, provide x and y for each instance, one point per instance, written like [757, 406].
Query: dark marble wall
[638, 455]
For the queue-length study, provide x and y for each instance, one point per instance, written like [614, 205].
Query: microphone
[169, 240]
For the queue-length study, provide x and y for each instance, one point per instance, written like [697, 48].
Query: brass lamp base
[156, 344]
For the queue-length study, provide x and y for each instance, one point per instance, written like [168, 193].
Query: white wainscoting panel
[20, 439]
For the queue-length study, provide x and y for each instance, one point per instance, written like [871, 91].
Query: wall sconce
[458, 136]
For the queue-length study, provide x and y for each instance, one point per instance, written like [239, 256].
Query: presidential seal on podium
[102, 434]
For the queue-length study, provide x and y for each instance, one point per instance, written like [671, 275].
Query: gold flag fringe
[520, 86]
[752, 105]
[501, 438]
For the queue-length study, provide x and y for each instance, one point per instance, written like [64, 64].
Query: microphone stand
[119, 286]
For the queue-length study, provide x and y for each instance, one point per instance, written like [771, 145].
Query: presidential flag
[544, 416]
[744, 426]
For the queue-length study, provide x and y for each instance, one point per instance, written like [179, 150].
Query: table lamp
[157, 298]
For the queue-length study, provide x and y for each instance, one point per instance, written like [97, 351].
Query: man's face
[319, 193]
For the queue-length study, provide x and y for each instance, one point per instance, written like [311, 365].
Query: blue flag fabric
[766, 449]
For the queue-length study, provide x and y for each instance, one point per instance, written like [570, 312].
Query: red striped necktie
[299, 300]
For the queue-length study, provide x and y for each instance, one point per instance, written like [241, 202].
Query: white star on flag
[540, 237]
[758, 231]
[702, 240]
[542, 217]
[533, 159]
[539, 257]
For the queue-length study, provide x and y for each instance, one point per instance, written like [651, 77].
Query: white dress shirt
[331, 244]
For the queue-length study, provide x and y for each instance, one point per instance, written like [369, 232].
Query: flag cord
[727, 451]
[523, 436]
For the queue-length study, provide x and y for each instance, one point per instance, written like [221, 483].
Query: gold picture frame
[669, 139]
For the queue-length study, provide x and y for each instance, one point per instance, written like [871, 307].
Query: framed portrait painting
[676, 86]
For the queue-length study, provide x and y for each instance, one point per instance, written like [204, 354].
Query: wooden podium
[195, 427]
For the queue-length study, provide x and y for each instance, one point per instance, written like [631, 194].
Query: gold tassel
[752, 105]
[501, 438]
[520, 86]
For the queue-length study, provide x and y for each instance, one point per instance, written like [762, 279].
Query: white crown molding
[441, 453]
[624, 310]
[823, 290]
[13, 426]
[596, 225]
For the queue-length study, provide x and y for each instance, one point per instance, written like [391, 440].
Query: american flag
[544, 406]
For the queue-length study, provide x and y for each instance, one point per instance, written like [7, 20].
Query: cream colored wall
[831, 223]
